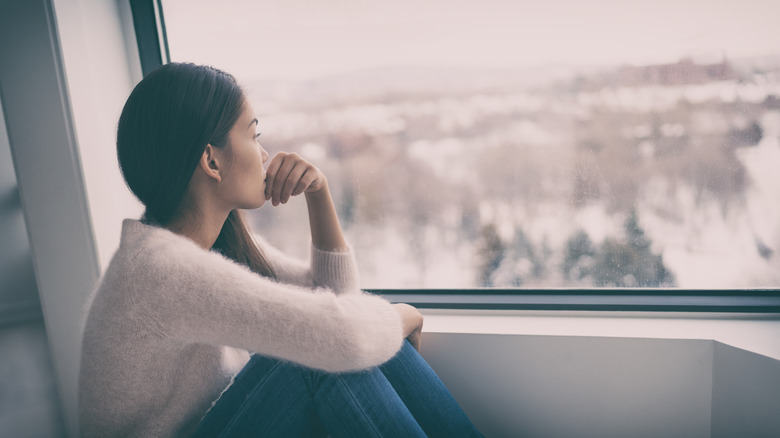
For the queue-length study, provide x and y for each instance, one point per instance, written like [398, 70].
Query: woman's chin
[254, 204]
[262, 203]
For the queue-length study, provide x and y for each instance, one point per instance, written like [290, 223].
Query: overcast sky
[301, 39]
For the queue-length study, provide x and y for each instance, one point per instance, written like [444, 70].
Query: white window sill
[758, 333]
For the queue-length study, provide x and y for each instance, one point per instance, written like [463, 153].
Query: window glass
[474, 143]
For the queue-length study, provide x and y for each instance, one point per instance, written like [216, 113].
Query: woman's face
[243, 181]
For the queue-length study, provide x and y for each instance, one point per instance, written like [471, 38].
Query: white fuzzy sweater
[170, 324]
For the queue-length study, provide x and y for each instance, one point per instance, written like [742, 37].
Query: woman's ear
[210, 164]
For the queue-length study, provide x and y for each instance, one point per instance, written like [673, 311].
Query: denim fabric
[274, 398]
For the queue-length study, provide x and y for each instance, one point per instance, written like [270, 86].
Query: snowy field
[489, 186]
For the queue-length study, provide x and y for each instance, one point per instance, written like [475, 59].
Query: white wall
[100, 62]
[35, 102]
[101, 65]
[609, 374]
[745, 394]
[18, 291]
[65, 71]
[561, 386]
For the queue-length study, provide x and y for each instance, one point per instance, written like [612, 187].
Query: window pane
[535, 144]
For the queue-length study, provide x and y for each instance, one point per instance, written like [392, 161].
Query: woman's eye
[257, 135]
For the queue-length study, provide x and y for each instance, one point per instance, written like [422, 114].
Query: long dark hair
[166, 123]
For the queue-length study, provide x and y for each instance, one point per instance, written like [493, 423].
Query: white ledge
[758, 333]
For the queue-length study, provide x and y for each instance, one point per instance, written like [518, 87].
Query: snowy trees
[624, 261]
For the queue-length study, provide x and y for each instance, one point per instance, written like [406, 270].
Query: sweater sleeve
[198, 296]
[336, 271]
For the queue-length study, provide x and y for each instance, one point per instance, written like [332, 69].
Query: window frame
[592, 299]
[149, 25]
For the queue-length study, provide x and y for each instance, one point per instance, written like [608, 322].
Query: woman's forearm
[290, 175]
[326, 233]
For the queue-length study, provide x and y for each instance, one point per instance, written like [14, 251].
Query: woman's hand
[412, 322]
[290, 175]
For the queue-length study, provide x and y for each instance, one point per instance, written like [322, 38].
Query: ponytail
[236, 243]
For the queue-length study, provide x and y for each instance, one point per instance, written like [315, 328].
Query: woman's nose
[264, 154]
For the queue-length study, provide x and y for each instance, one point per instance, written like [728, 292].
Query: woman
[189, 295]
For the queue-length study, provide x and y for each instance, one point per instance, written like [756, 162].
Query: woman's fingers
[411, 322]
[289, 170]
[416, 340]
[290, 175]
[284, 166]
[270, 175]
[302, 184]
[293, 181]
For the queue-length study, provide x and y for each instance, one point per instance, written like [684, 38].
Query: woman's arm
[332, 264]
[326, 231]
[336, 271]
[197, 296]
[290, 175]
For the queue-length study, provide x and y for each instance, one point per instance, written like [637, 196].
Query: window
[499, 144]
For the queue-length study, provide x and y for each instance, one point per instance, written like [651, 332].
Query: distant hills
[383, 82]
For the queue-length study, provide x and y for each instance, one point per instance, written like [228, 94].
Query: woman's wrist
[326, 233]
[318, 190]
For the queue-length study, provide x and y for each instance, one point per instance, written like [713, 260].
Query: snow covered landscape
[512, 144]
[652, 176]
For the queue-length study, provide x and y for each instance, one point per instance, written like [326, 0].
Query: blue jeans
[274, 398]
